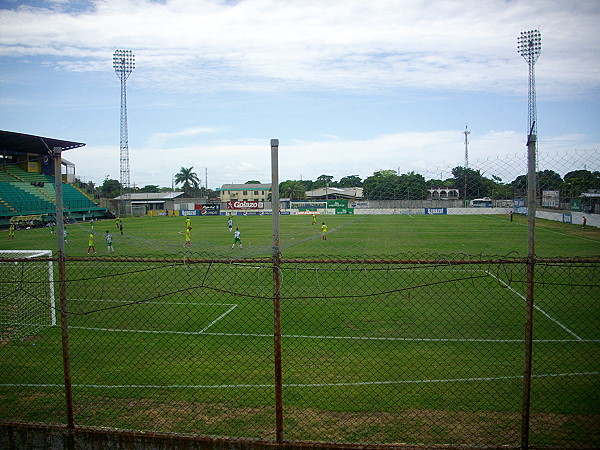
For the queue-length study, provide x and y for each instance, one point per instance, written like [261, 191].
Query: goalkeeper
[91, 241]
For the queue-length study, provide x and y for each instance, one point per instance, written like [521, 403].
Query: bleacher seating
[23, 192]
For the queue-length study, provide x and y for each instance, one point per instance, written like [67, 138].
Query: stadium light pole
[124, 63]
[529, 44]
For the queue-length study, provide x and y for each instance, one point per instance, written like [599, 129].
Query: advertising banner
[436, 211]
[245, 204]
[338, 203]
[209, 210]
[551, 199]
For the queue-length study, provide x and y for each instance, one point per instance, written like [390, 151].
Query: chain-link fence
[414, 320]
[427, 351]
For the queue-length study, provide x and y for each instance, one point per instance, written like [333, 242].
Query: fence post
[276, 291]
[531, 209]
[62, 286]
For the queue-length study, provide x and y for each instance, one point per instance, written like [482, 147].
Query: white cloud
[350, 44]
[432, 154]
[159, 139]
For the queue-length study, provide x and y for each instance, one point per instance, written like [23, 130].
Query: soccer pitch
[370, 352]
[352, 236]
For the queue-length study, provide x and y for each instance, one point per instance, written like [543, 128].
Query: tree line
[390, 185]
[471, 183]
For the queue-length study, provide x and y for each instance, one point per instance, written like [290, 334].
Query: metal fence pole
[276, 291]
[62, 285]
[531, 209]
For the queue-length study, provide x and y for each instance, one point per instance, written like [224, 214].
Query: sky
[349, 87]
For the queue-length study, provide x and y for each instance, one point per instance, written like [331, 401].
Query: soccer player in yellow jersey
[188, 237]
[324, 231]
[91, 244]
[188, 222]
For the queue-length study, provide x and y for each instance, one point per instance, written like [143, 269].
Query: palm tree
[292, 189]
[188, 179]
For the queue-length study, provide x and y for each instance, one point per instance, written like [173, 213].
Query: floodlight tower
[124, 63]
[529, 45]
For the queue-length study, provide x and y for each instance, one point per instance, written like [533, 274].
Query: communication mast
[466, 133]
[124, 63]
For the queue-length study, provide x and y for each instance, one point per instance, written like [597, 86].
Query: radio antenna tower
[466, 133]
[529, 45]
[124, 63]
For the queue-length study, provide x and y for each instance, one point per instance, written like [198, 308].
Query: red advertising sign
[245, 204]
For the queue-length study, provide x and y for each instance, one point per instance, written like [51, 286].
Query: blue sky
[348, 87]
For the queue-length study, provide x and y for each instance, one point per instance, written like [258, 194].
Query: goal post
[27, 302]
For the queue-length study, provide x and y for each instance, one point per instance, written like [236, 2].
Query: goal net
[26, 293]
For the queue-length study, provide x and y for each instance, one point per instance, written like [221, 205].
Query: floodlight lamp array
[123, 62]
[529, 45]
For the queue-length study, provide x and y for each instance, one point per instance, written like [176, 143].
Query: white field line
[349, 338]
[304, 385]
[232, 305]
[536, 307]
[547, 230]
[568, 235]
[217, 319]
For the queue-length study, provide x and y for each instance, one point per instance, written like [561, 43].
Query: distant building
[443, 193]
[244, 192]
[331, 193]
[151, 201]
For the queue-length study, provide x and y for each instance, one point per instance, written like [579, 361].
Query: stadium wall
[593, 220]
[43, 436]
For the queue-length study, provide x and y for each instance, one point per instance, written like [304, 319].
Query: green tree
[323, 180]
[188, 179]
[381, 185]
[350, 181]
[252, 182]
[292, 189]
[308, 185]
[110, 188]
[578, 182]
[149, 188]
[411, 186]
[471, 183]
[549, 180]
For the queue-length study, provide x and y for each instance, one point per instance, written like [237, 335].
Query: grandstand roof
[139, 196]
[11, 143]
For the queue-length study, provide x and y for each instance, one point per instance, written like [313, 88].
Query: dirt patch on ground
[411, 426]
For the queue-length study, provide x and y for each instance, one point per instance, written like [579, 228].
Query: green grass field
[371, 352]
[349, 236]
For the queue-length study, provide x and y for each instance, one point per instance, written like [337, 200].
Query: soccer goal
[26, 292]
